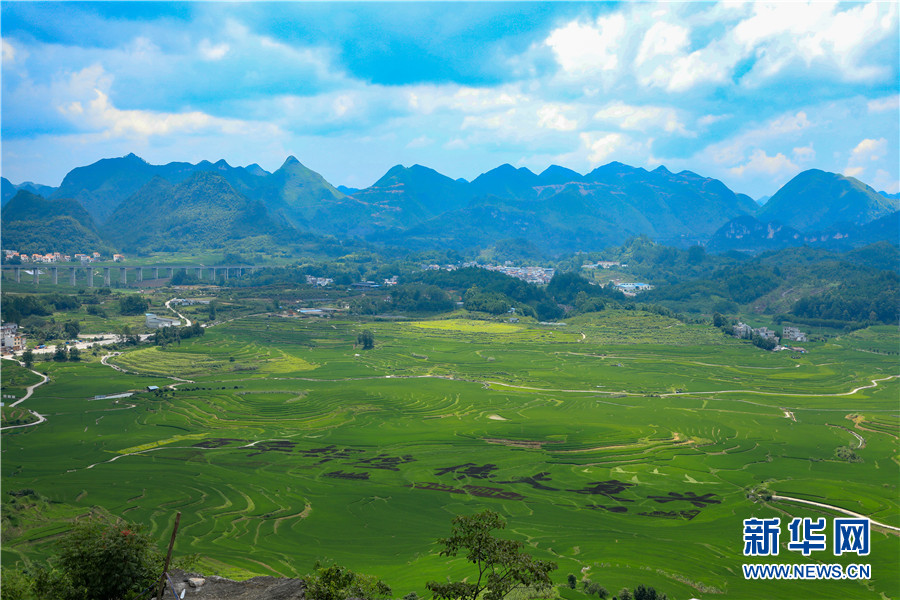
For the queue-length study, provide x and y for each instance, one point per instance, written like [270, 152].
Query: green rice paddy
[621, 446]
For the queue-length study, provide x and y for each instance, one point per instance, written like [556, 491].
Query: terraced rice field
[626, 462]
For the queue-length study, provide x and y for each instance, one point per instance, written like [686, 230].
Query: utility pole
[162, 578]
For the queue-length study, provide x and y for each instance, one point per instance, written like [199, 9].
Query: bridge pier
[200, 273]
[54, 273]
[155, 272]
[212, 274]
[37, 275]
[123, 277]
[90, 276]
[139, 274]
[171, 272]
[106, 276]
[72, 276]
[18, 274]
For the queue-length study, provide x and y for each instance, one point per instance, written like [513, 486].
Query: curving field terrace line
[874, 384]
[835, 508]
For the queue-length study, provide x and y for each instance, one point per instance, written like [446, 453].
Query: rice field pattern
[628, 460]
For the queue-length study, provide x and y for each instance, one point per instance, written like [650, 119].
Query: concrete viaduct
[121, 280]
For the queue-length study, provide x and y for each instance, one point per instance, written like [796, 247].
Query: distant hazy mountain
[814, 200]
[762, 200]
[103, 185]
[890, 196]
[562, 210]
[747, 234]
[134, 203]
[507, 182]
[9, 189]
[33, 224]
[407, 196]
[203, 211]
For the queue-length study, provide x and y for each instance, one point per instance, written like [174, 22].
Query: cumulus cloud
[762, 163]
[641, 118]
[884, 182]
[9, 53]
[101, 115]
[662, 39]
[211, 51]
[804, 153]
[884, 104]
[420, 142]
[552, 117]
[601, 146]
[865, 153]
[591, 47]
[869, 150]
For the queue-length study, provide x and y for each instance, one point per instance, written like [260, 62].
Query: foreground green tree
[501, 564]
[102, 560]
[335, 582]
[28, 358]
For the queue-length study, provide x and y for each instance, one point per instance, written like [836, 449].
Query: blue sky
[749, 93]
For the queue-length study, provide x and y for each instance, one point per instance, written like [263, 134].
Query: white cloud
[853, 171]
[341, 104]
[420, 142]
[601, 146]
[710, 65]
[662, 39]
[883, 182]
[427, 99]
[884, 104]
[456, 144]
[588, 48]
[804, 153]
[100, 115]
[762, 163]
[9, 53]
[869, 150]
[641, 118]
[707, 120]
[551, 117]
[788, 124]
[786, 33]
[213, 52]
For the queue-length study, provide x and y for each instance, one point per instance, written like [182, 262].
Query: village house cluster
[529, 274]
[788, 334]
[56, 257]
[604, 264]
[319, 281]
[11, 339]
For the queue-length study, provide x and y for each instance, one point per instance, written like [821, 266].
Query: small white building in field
[156, 322]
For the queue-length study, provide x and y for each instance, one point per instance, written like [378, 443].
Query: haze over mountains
[133, 206]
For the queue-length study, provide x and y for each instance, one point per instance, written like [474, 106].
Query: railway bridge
[87, 273]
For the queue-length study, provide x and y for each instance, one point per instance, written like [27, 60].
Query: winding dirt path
[187, 322]
[836, 508]
[28, 392]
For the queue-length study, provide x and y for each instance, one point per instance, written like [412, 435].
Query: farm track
[187, 322]
[861, 441]
[28, 392]
[837, 509]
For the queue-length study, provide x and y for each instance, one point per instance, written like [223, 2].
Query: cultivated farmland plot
[622, 455]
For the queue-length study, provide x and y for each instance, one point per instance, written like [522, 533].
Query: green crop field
[622, 445]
